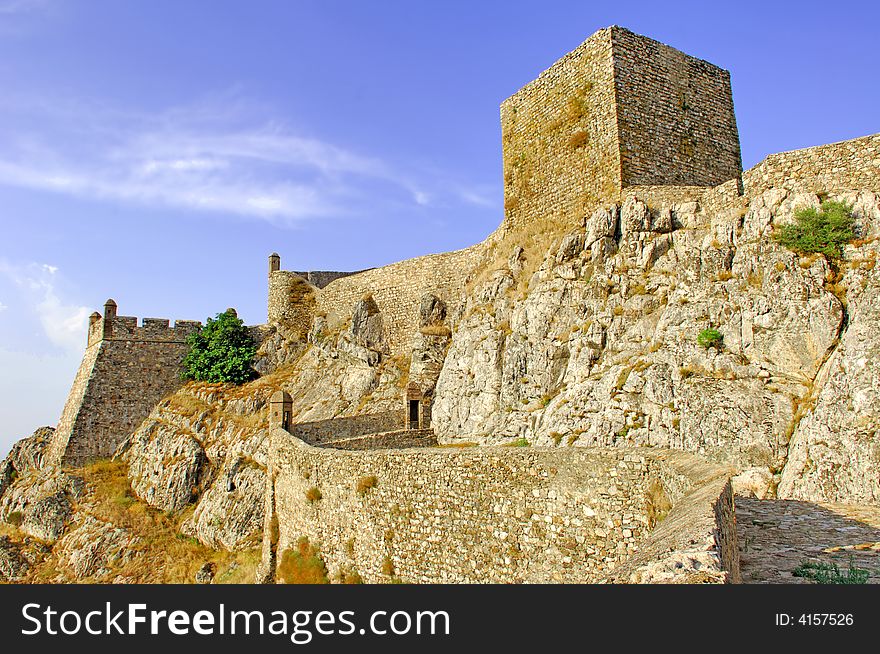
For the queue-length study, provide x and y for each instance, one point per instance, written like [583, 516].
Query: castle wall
[844, 166]
[120, 379]
[621, 110]
[398, 289]
[675, 119]
[291, 303]
[559, 135]
[320, 278]
[335, 429]
[472, 515]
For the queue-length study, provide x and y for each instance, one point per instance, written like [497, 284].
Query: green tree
[221, 351]
[825, 231]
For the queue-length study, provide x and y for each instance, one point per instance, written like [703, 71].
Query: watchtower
[619, 111]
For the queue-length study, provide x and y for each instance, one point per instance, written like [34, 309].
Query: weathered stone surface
[229, 514]
[94, 547]
[366, 324]
[605, 352]
[26, 455]
[508, 514]
[776, 536]
[432, 310]
[206, 573]
[165, 466]
[13, 566]
[44, 498]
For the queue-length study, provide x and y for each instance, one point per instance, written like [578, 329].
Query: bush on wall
[221, 351]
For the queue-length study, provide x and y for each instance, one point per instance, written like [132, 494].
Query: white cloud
[3, 307]
[63, 322]
[220, 156]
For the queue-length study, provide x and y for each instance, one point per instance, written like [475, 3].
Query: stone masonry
[126, 369]
[474, 515]
[621, 110]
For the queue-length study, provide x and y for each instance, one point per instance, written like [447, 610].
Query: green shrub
[518, 442]
[302, 565]
[829, 573]
[710, 338]
[15, 518]
[221, 351]
[825, 231]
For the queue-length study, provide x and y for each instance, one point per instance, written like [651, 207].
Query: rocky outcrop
[835, 449]
[94, 548]
[598, 346]
[25, 455]
[166, 465]
[229, 514]
[43, 502]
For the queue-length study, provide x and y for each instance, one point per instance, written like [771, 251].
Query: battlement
[621, 110]
[114, 327]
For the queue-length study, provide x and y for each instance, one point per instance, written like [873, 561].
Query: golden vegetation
[159, 553]
[302, 565]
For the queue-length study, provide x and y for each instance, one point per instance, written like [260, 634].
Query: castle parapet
[113, 327]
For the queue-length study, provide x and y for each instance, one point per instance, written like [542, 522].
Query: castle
[620, 117]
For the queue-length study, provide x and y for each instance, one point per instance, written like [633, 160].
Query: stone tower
[620, 111]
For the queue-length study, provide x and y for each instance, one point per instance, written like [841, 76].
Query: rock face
[13, 565]
[166, 466]
[27, 454]
[44, 501]
[230, 513]
[598, 346]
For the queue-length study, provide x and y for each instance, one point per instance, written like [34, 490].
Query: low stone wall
[393, 440]
[843, 166]
[321, 432]
[696, 542]
[472, 515]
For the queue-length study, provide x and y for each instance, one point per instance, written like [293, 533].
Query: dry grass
[365, 484]
[163, 555]
[657, 503]
[302, 565]
[579, 139]
[436, 330]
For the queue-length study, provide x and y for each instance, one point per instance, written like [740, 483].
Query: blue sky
[156, 151]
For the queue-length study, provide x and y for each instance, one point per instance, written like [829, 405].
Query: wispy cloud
[63, 322]
[216, 156]
[3, 307]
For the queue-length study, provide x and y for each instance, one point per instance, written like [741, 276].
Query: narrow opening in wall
[413, 414]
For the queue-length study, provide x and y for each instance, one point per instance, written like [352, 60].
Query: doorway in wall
[413, 414]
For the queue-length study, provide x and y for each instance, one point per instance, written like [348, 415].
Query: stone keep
[620, 111]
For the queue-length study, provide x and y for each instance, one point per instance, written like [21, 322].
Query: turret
[280, 409]
[109, 317]
[274, 262]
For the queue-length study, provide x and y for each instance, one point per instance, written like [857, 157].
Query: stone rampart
[126, 369]
[475, 515]
[833, 168]
[398, 289]
[338, 429]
